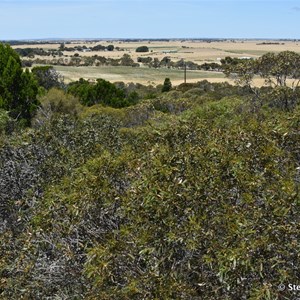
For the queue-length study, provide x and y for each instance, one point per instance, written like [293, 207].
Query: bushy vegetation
[18, 89]
[102, 92]
[281, 73]
[32, 56]
[47, 77]
[142, 49]
[189, 194]
[167, 85]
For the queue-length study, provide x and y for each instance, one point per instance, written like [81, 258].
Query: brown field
[189, 50]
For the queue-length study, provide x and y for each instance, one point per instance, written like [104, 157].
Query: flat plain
[198, 51]
[144, 75]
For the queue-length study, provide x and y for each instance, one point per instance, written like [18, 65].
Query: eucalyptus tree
[281, 74]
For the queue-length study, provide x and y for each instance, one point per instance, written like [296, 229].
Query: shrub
[167, 85]
[142, 49]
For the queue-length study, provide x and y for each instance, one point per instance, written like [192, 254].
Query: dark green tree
[167, 85]
[142, 49]
[101, 92]
[110, 48]
[98, 48]
[18, 89]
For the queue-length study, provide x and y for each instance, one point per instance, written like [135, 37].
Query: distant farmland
[193, 50]
[142, 75]
[196, 51]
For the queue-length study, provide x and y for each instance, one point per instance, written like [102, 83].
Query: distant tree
[110, 48]
[103, 92]
[98, 48]
[26, 63]
[167, 85]
[229, 61]
[155, 63]
[165, 62]
[144, 60]
[180, 63]
[61, 47]
[18, 89]
[142, 49]
[210, 67]
[31, 52]
[48, 77]
[126, 60]
[75, 61]
[276, 69]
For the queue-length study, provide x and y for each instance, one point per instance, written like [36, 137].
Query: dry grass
[193, 50]
[196, 51]
[142, 75]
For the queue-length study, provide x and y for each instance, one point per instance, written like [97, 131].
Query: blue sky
[21, 19]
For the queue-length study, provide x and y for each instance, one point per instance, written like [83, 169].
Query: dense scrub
[185, 196]
[188, 194]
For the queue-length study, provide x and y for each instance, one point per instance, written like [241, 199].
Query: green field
[143, 75]
[250, 52]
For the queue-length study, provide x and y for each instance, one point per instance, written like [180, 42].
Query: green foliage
[204, 216]
[55, 150]
[31, 52]
[47, 77]
[231, 61]
[18, 89]
[4, 119]
[98, 48]
[126, 60]
[55, 102]
[277, 70]
[102, 92]
[186, 196]
[145, 60]
[110, 48]
[142, 49]
[167, 86]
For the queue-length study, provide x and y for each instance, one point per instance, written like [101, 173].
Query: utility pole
[184, 72]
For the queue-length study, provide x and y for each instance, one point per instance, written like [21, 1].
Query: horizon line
[148, 38]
